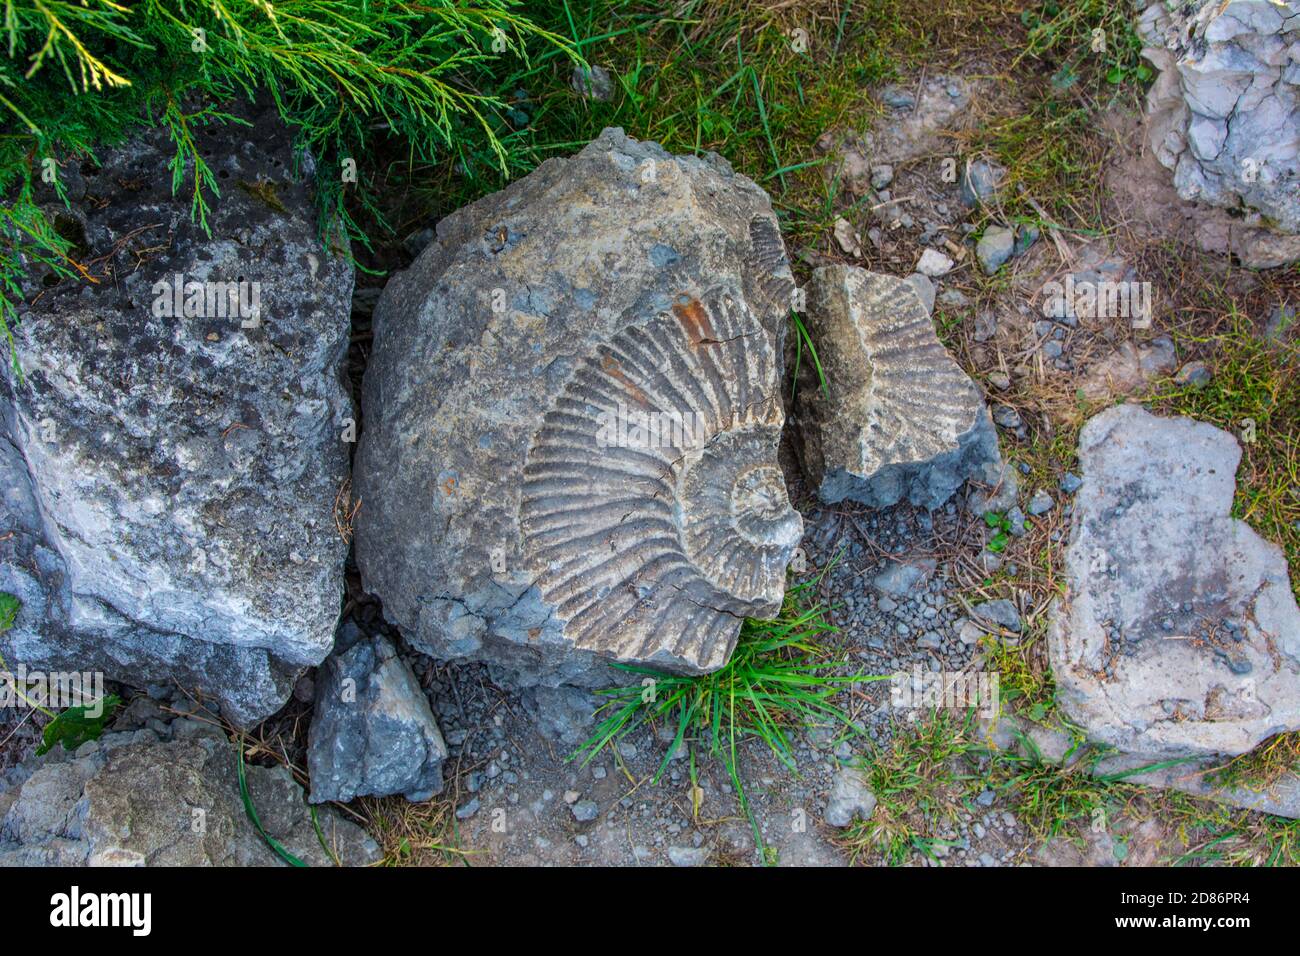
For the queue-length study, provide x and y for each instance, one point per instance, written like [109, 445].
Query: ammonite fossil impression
[653, 512]
[572, 410]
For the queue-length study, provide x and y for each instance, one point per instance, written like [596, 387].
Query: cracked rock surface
[169, 479]
[1224, 113]
[572, 412]
[1179, 633]
[898, 417]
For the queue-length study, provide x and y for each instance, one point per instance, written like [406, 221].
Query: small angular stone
[994, 248]
[372, 733]
[849, 799]
[934, 264]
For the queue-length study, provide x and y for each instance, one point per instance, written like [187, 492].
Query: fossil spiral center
[736, 521]
[761, 509]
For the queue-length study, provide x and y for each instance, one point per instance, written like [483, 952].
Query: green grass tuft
[780, 678]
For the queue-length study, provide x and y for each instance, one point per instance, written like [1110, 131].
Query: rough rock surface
[372, 733]
[562, 714]
[1224, 113]
[169, 482]
[849, 798]
[520, 505]
[1179, 632]
[899, 418]
[132, 799]
[593, 83]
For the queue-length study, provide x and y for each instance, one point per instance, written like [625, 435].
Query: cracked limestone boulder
[141, 799]
[572, 412]
[172, 453]
[898, 418]
[1179, 633]
[1224, 113]
[372, 732]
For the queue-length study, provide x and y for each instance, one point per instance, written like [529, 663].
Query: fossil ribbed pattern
[572, 419]
[913, 398]
[767, 260]
[651, 514]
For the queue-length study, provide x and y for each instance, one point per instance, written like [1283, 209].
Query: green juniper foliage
[76, 76]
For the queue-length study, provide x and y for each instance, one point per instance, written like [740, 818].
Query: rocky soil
[435, 732]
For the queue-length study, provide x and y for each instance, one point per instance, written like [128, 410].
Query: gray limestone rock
[925, 290]
[1179, 632]
[1000, 612]
[898, 578]
[933, 264]
[849, 798]
[1198, 776]
[901, 420]
[910, 129]
[1040, 503]
[1194, 375]
[999, 487]
[1224, 112]
[572, 412]
[922, 126]
[980, 181]
[592, 82]
[995, 248]
[372, 733]
[1130, 368]
[1200, 779]
[172, 454]
[688, 855]
[130, 799]
[562, 714]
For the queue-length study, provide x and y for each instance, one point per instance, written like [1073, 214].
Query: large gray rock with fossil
[372, 732]
[171, 454]
[1178, 633]
[138, 799]
[1224, 113]
[896, 417]
[572, 412]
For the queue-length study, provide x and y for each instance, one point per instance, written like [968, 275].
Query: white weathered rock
[934, 264]
[1224, 113]
[899, 418]
[170, 479]
[1179, 632]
